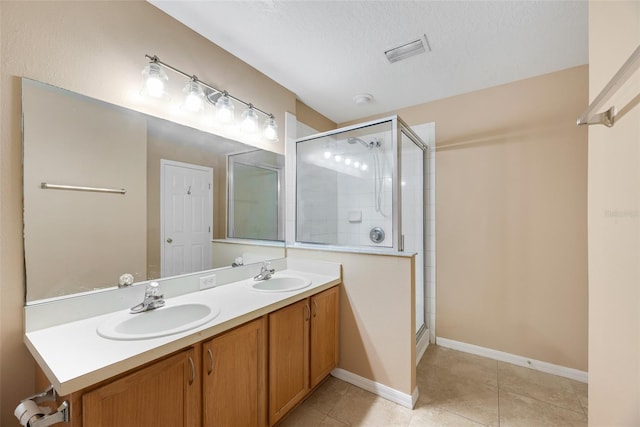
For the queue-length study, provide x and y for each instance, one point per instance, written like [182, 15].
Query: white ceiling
[328, 51]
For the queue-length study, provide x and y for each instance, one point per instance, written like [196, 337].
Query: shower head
[369, 145]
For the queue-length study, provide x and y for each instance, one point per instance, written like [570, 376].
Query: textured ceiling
[328, 51]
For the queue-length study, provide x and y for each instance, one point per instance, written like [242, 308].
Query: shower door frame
[398, 126]
[401, 127]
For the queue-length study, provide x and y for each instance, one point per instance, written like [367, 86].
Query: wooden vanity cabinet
[226, 380]
[166, 393]
[303, 349]
[324, 336]
[288, 358]
[234, 377]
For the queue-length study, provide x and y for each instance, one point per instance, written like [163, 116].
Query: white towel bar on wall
[608, 118]
[46, 186]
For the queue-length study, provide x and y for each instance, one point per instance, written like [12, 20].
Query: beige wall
[614, 228]
[96, 49]
[312, 118]
[377, 316]
[511, 187]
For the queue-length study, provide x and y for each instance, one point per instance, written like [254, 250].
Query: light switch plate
[207, 282]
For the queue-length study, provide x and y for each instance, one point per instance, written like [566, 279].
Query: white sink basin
[156, 323]
[281, 284]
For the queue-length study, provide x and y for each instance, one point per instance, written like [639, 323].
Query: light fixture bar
[195, 78]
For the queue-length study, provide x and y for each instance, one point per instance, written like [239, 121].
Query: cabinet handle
[193, 371]
[210, 370]
[315, 304]
[307, 312]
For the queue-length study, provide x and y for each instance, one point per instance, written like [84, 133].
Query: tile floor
[457, 390]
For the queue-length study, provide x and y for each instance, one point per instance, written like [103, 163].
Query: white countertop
[74, 356]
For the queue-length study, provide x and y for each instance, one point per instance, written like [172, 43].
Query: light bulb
[194, 97]
[270, 129]
[224, 109]
[356, 164]
[249, 120]
[327, 154]
[347, 161]
[364, 167]
[154, 80]
[337, 158]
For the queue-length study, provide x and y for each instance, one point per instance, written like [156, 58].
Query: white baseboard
[514, 359]
[386, 392]
[421, 346]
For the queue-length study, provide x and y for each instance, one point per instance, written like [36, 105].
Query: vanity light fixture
[194, 96]
[270, 129]
[197, 91]
[224, 109]
[155, 80]
[249, 120]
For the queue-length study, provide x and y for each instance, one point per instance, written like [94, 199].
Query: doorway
[186, 217]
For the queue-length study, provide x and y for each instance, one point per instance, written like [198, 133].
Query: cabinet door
[288, 358]
[324, 334]
[234, 376]
[166, 393]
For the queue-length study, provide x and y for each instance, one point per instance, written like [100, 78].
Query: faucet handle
[153, 290]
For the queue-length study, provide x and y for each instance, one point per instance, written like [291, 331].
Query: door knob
[169, 240]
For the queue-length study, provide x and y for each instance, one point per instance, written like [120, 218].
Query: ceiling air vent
[407, 50]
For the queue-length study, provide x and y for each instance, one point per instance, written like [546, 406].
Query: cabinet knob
[169, 240]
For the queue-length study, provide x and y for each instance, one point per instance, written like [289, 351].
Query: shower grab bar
[47, 186]
[608, 118]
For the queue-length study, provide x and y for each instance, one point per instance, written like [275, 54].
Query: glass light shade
[364, 167]
[155, 80]
[193, 97]
[249, 120]
[347, 161]
[224, 109]
[356, 164]
[270, 129]
[337, 158]
[327, 154]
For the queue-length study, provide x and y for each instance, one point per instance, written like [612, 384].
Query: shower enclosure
[362, 187]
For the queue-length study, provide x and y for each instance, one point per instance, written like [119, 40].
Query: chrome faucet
[152, 299]
[265, 272]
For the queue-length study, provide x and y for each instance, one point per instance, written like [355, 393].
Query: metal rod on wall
[607, 118]
[47, 186]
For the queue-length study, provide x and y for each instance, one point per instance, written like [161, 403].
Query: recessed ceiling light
[408, 50]
[363, 98]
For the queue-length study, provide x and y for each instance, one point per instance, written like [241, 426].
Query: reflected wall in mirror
[172, 206]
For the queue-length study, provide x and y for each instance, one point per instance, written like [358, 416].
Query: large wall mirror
[110, 191]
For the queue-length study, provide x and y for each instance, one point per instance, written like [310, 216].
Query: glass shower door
[412, 214]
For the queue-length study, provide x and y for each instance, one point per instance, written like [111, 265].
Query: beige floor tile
[427, 416]
[325, 397]
[522, 411]
[331, 422]
[582, 391]
[539, 385]
[457, 365]
[468, 398]
[361, 408]
[303, 416]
